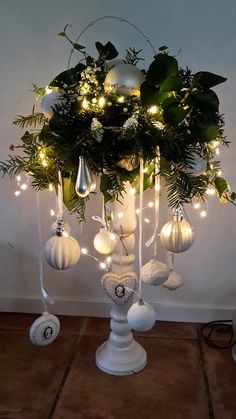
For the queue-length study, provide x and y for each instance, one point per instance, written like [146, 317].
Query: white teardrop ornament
[85, 182]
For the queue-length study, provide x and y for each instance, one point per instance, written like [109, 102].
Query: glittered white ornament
[97, 130]
[198, 165]
[174, 281]
[44, 330]
[154, 272]
[177, 236]
[54, 227]
[130, 123]
[49, 101]
[141, 316]
[105, 241]
[119, 287]
[124, 80]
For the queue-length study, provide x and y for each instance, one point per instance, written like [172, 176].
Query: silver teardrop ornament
[85, 182]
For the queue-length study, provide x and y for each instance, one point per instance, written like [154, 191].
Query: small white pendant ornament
[85, 182]
[124, 80]
[174, 281]
[61, 251]
[154, 272]
[97, 130]
[198, 165]
[141, 316]
[49, 101]
[119, 288]
[44, 330]
[104, 242]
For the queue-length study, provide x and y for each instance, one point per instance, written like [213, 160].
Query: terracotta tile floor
[184, 379]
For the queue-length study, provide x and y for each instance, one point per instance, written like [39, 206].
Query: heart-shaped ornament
[119, 287]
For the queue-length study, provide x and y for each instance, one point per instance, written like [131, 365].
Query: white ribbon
[140, 225]
[171, 258]
[60, 204]
[99, 219]
[46, 299]
[156, 207]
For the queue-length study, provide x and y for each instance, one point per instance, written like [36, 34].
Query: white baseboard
[170, 312]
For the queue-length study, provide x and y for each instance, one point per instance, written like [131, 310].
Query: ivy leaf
[173, 82]
[108, 51]
[161, 68]
[207, 80]
[149, 94]
[208, 100]
[163, 48]
[78, 47]
[61, 34]
[221, 185]
[67, 77]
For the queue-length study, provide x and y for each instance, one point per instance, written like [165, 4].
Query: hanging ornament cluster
[62, 251]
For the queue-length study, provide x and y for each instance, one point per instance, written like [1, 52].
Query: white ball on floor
[141, 316]
[44, 330]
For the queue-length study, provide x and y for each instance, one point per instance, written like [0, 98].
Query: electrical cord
[218, 327]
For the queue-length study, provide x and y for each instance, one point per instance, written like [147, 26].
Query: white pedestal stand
[121, 354]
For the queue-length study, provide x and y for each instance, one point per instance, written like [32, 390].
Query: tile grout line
[67, 369]
[205, 378]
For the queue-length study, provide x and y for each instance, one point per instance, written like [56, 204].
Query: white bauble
[173, 282]
[62, 252]
[177, 236]
[141, 316]
[104, 242]
[124, 80]
[44, 330]
[154, 272]
[198, 165]
[54, 227]
[49, 101]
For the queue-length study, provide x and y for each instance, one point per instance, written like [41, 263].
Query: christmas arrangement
[108, 124]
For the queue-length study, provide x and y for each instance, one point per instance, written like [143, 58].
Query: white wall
[205, 31]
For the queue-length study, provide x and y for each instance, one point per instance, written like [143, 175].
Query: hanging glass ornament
[124, 80]
[97, 130]
[177, 235]
[85, 182]
[141, 316]
[154, 272]
[104, 242]
[62, 251]
[49, 101]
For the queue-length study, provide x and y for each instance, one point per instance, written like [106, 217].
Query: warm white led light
[65, 234]
[217, 151]
[137, 211]
[101, 101]
[147, 220]
[102, 265]
[85, 103]
[44, 163]
[50, 187]
[120, 215]
[151, 204]
[23, 186]
[108, 259]
[17, 193]
[197, 205]
[153, 110]
[18, 178]
[203, 213]
[132, 191]
[121, 99]
[52, 212]
[210, 191]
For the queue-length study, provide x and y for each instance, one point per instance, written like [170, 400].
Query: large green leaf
[161, 69]
[208, 100]
[108, 51]
[172, 83]
[149, 94]
[207, 80]
[67, 77]
[205, 132]
[173, 115]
